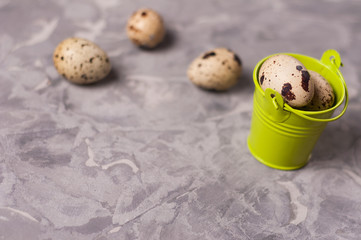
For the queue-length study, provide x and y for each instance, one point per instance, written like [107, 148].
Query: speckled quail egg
[288, 76]
[324, 96]
[218, 69]
[81, 61]
[145, 28]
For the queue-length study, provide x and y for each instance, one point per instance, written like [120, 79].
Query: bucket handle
[332, 59]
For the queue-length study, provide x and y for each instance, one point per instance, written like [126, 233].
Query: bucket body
[282, 137]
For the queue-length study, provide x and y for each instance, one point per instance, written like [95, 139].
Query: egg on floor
[218, 69]
[289, 77]
[81, 61]
[145, 28]
[324, 96]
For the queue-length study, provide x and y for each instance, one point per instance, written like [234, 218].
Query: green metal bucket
[282, 137]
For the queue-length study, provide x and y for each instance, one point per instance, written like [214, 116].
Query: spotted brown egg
[324, 96]
[218, 69]
[81, 61]
[289, 77]
[145, 28]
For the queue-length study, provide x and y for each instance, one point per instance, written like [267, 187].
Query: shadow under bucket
[282, 137]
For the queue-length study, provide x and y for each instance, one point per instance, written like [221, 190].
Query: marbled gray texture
[147, 155]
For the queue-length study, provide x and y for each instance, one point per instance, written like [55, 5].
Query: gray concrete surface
[146, 154]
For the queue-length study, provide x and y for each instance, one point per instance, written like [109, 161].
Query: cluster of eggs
[83, 62]
[300, 88]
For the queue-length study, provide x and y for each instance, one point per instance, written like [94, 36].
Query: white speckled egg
[218, 69]
[81, 61]
[288, 76]
[145, 28]
[324, 96]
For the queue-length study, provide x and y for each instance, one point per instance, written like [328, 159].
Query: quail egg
[145, 28]
[324, 96]
[81, 61]
[218, 69]
[288, 76]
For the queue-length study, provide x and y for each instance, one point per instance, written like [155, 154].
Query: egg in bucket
[283, 137]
